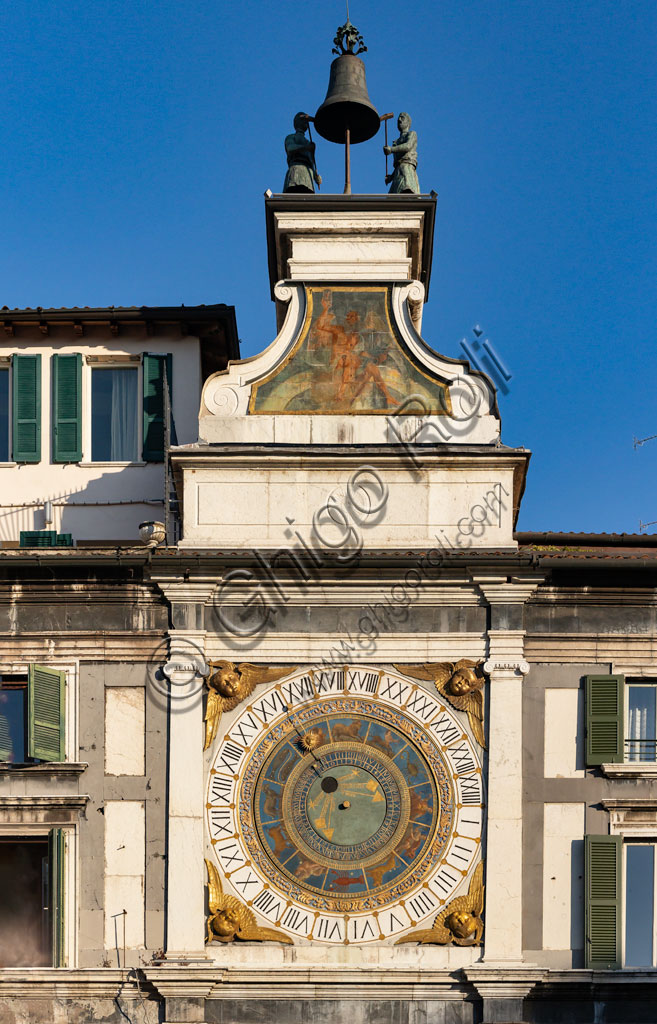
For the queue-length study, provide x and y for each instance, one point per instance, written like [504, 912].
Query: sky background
[139, 137]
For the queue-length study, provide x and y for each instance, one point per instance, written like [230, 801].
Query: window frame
[640, 840]
[65, 809]
[122, 361]
[6, 365]
[620, 767]
[637, 681]
[71, 711]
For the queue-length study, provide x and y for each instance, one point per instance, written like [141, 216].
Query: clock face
[345, 806]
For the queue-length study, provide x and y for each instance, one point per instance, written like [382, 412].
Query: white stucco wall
[68, 486]
[563, 871]
[564, 733]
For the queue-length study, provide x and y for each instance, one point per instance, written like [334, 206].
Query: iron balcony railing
[641, 750]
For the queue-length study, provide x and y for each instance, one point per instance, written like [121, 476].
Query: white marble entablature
[224, 415]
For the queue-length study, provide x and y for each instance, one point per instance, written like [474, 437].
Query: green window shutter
[56, 856]
[45, 726]
[153, 398]
[605, 733]
[67, 408]
[26, 408]
[603, 859]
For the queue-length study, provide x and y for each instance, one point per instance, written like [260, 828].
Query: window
[4, 414]
[621, 723]
[114, 414]
[32, 716]
[13, 719]
[620, 900]
[639, 886]
[32, 900]
[641, 718]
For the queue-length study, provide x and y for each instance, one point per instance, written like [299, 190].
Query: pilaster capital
[191, 978]
[181, 591]
[496, 665]
[186, 664]
[506, 589]
[506, 652]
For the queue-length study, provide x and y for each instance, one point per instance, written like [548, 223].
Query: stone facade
[361, 546]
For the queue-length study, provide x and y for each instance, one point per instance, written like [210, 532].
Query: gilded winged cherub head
[460, 922]
[229, 684]
[461, 683]
[230, 919]
[464, 680]
[225, 924]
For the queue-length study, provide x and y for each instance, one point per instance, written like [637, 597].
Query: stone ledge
[47, 768]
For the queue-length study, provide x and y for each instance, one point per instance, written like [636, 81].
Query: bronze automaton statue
[302, 175]
[404, 153]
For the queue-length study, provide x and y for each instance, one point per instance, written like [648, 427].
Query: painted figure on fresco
[348, 360]
[302, 175]
[404, 152]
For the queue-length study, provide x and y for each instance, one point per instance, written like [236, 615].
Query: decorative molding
[226, 393]
[52, 810]
[633, 770]
[631, 650]
[300, 647]
[183, 591]
[54, 768]
[51, 648]
[493, 666]
[632, 816]
[518, 591]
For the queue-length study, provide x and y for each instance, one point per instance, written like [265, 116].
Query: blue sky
[139, 137]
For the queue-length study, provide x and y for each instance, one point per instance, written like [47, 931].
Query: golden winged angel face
[225, 924]
[228, 682]
[464, 680]
[462, 924]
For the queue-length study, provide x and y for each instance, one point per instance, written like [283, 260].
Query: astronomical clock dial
[346, 806]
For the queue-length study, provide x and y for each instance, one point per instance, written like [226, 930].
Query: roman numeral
[445, 729]
[295, 920]
[462, 759]
[329, 682]
[230, 855]
[220, 789]
[298, 690]
[362, 929]
[470, 789]
[394, 923]
[395, 690]
[231, 755]
[244, 731]
[363, 682]
[329, 928]
[422, 705]
[445, 880]
[221, 822]
[268, 904]
[244, 883]
[422, 904]
[270, 705]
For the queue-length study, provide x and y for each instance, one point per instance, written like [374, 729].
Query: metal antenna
[347, 10]
[642, 440]
[637, 442]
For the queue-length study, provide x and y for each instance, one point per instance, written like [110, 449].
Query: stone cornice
[54, 768]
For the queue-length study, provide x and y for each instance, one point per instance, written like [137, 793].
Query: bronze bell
[347, 104]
